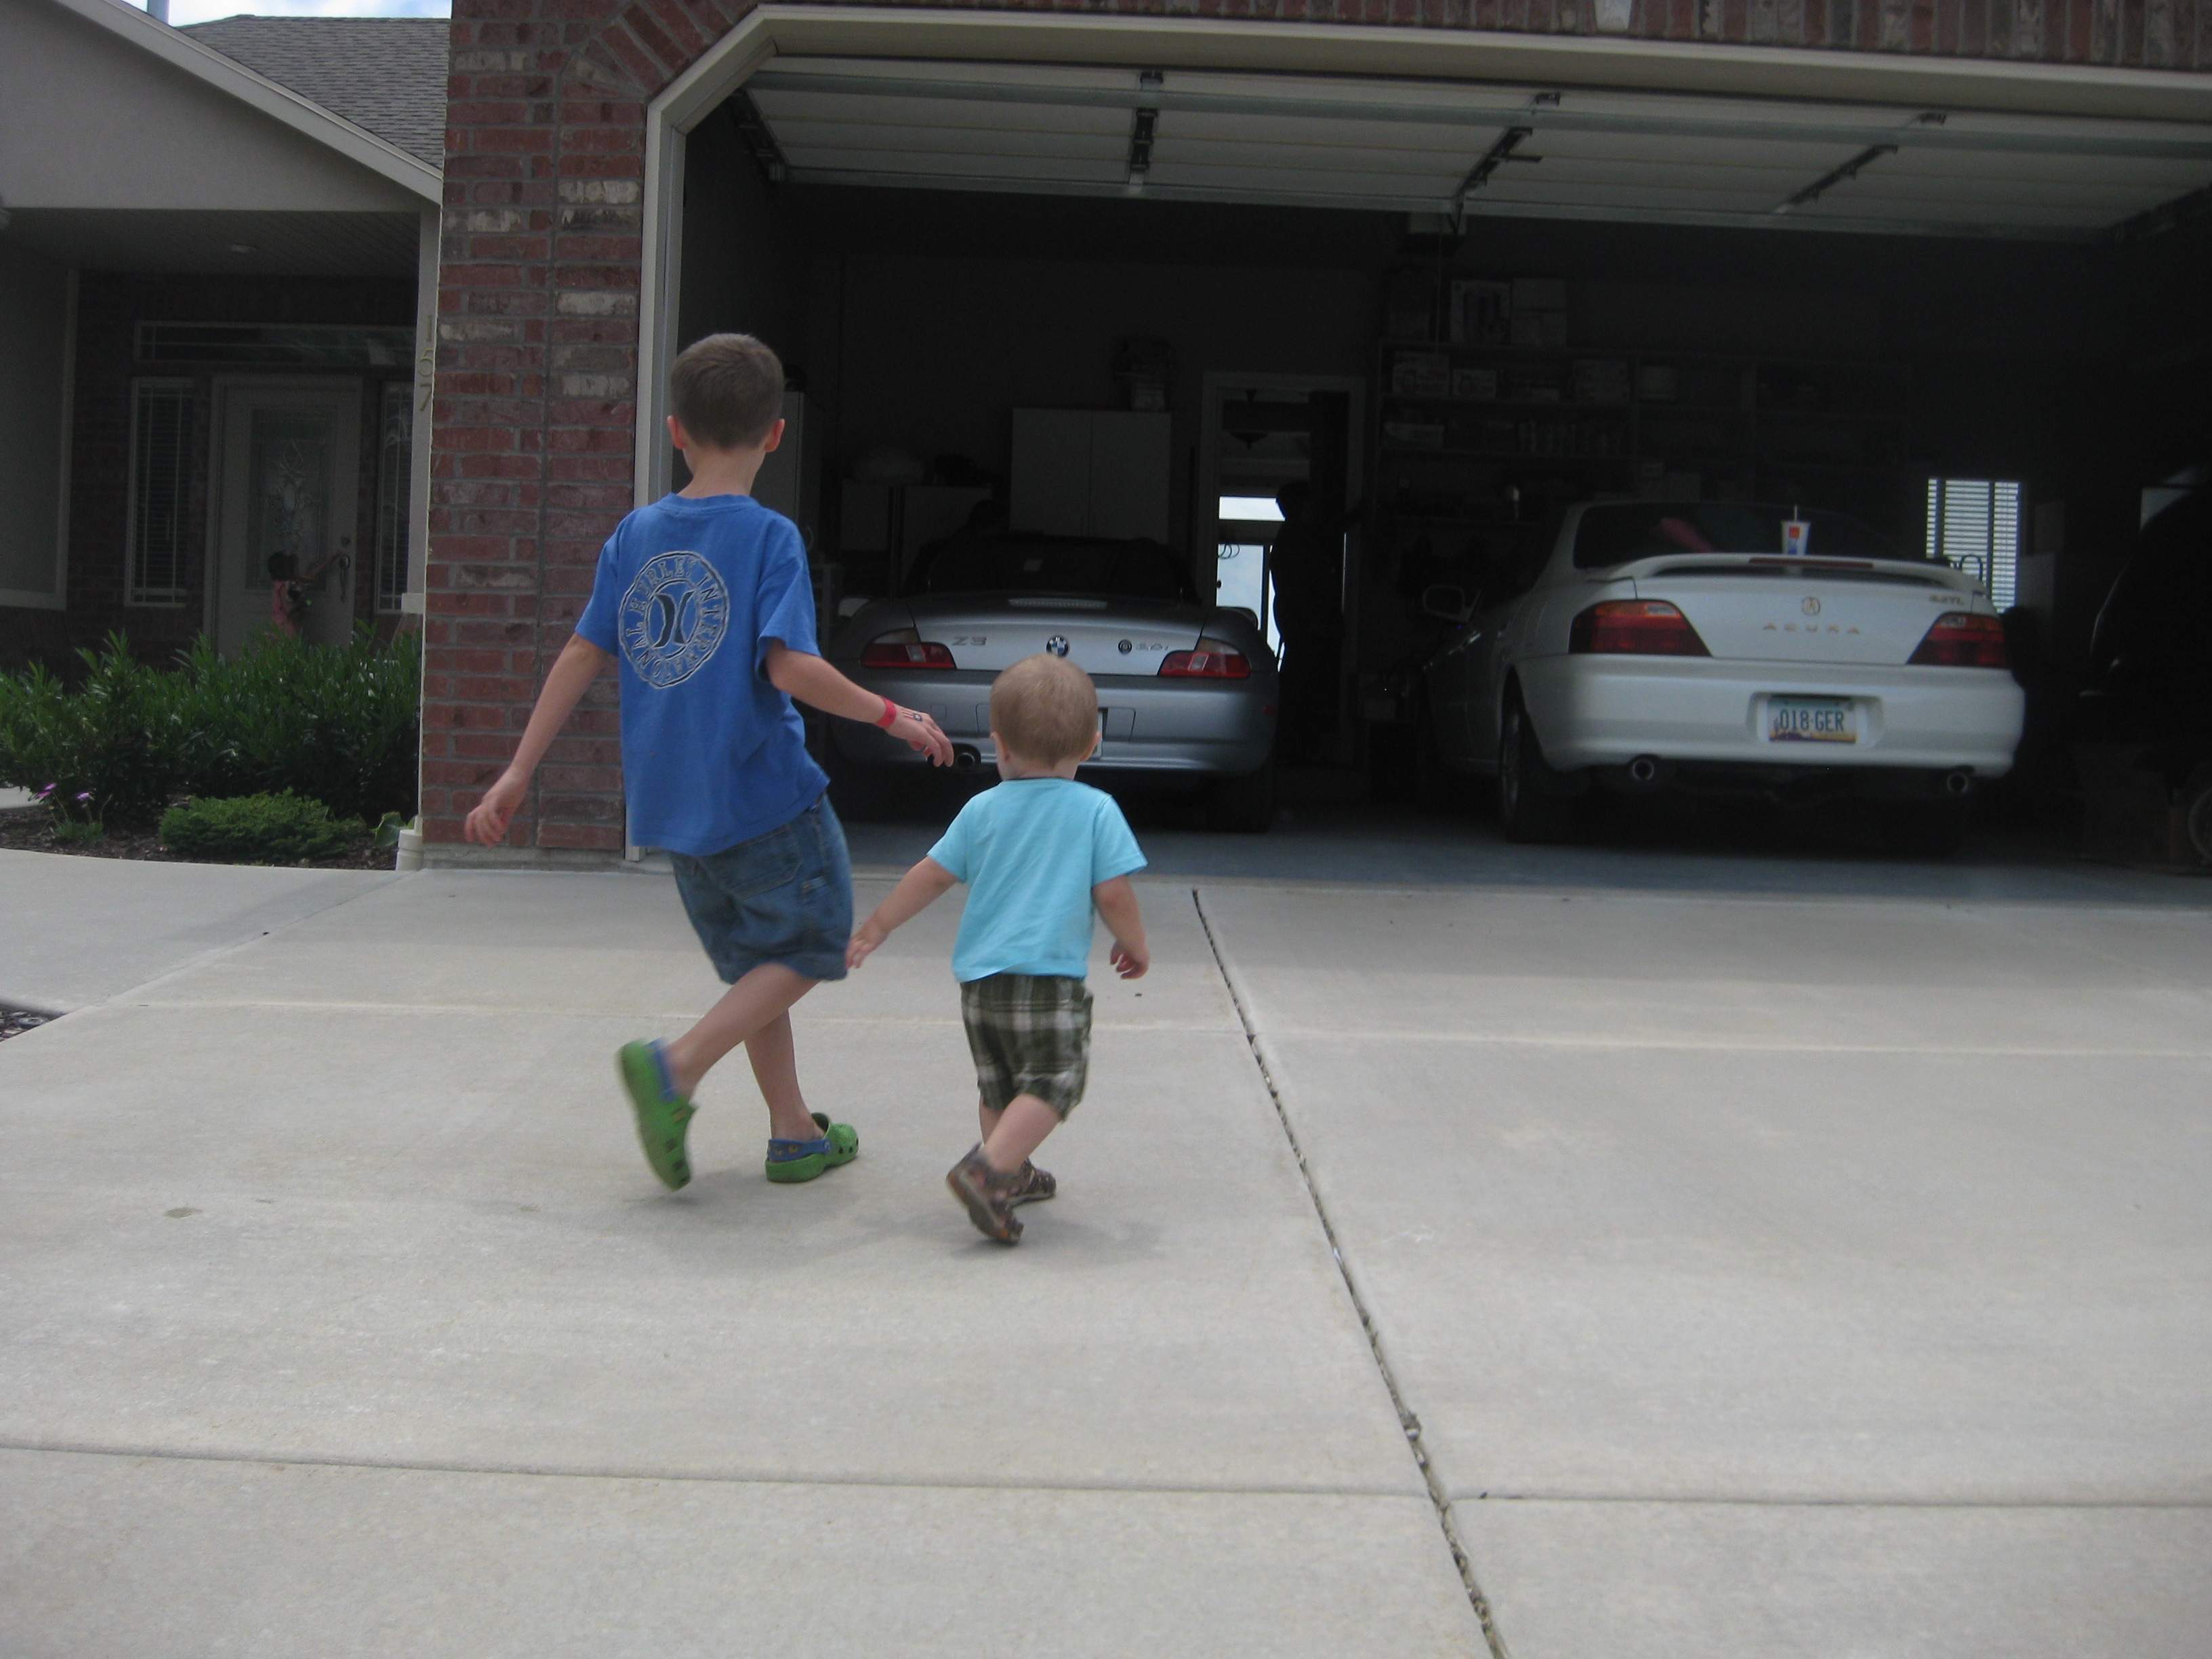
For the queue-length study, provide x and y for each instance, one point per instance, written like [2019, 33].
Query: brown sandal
[988, 1196]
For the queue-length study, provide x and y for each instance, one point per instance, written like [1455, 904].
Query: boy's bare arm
[573, 671]
[920, 888]
[1117, 907]
[805, 676]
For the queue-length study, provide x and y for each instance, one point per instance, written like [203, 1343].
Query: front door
[286, 507]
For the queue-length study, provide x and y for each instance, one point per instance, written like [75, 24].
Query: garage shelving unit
[1476, 437]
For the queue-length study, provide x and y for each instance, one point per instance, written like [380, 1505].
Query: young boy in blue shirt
[1039, 852]
[704, 598]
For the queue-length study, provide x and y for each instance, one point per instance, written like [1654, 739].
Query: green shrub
[108, 745]
[336, 723]
[281, 828]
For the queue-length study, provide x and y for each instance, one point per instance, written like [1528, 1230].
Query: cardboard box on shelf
[1481, 312]
[1546, 330]
[1475, 385]
[1420, 374]
[1413, 435]
[1600, 380]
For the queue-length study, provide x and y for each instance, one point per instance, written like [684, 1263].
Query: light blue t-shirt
[689, 594]
[1031, 851]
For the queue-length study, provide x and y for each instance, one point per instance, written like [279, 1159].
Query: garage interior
[1452, 308]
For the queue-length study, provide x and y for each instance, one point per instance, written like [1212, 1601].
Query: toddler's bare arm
[1117, 906]
[920, 888]
[573, 671]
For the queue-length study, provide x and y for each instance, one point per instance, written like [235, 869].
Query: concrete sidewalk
[1762, 1276]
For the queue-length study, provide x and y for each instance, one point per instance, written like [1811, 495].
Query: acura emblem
[1812, 607]
[1057, 645]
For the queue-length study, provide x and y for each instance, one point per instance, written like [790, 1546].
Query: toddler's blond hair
[1046, 710]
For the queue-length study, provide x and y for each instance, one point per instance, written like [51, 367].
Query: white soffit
[1449, 147]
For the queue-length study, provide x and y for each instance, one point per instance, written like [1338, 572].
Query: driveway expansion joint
[714, 1478]
[1411, 1424]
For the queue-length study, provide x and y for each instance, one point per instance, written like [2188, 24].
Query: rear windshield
[1016, 564]
[1618, 532]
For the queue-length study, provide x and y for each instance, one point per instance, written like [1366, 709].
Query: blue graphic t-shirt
[1031, 851]
[690, 593]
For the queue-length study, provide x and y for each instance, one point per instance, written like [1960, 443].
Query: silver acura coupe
[1187, 691]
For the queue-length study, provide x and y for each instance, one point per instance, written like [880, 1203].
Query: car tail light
[1635, 627]
[1959, 639]
[905, 649]
[1211, 660]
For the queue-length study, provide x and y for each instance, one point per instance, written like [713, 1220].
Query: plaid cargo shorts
[1031, 1034]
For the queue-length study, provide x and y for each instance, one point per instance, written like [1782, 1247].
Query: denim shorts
[784, 898]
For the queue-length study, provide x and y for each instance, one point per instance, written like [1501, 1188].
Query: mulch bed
[31, 829]
[14, 1022]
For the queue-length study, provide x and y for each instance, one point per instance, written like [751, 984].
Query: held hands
[866, 938]
[488, 823]
[1130, 961]
[918, 732]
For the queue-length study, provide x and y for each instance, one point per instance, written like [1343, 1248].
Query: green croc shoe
[803, 1160]
[663, 1115]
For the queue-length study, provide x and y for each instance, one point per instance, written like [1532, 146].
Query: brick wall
[539, 301]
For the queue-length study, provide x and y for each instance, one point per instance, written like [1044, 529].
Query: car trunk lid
[991, 632]
[1763, 608]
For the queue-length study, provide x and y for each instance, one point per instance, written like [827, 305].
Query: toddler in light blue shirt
[1039, 852]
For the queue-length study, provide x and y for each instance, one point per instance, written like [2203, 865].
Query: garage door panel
[1327, 158]
[779, 108]
[1304, 181]
[1965, 216]
[1351, 133]
[1809, 159]
[2111, 199]
[866, 141]
[1630, 198]
[951, 167]
[1779, 183]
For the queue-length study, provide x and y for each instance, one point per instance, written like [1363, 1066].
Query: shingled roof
[385, 74]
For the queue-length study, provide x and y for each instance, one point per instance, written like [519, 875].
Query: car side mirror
[1451, 603]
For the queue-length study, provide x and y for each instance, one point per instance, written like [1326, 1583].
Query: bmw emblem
[1057, 645]
[1812, 607]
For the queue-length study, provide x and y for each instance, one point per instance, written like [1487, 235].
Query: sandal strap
[786, 1151]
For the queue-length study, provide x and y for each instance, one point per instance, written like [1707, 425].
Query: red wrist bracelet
[890, 713]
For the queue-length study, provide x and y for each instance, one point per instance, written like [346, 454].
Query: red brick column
[538, 302]
[535, 406]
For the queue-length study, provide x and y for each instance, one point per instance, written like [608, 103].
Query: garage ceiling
[1447, 148]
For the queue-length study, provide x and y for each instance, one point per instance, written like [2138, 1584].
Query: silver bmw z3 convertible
[1187, 691]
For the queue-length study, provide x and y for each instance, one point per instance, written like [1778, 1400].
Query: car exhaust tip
[966, 758]
[1957, 784]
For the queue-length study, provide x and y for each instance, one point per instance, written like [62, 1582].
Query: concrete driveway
[1727, 1273]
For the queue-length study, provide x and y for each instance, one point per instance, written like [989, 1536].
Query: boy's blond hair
[727, 389]
[1046, 709]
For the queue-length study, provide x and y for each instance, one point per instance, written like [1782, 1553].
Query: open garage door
[1448, 149]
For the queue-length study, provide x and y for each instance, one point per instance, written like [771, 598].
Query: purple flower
[48, 790]
[85, 797]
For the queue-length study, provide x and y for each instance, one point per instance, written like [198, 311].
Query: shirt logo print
[673, 617]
